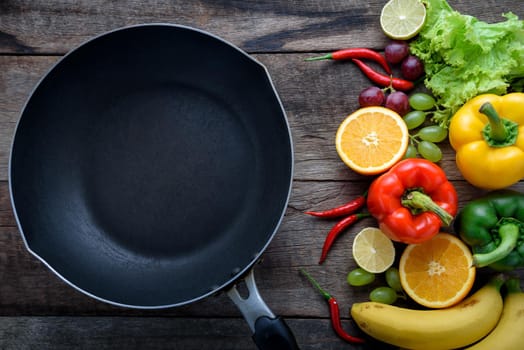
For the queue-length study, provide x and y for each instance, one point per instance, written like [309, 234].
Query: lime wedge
[402, 19]
[373, 251]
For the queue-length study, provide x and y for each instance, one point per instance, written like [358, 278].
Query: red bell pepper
[412, 201]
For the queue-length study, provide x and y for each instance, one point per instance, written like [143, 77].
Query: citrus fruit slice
[402, 19]
[372, 139]
[437, 273]
[373, 251]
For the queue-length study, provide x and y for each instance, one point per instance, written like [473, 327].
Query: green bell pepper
[493, 226]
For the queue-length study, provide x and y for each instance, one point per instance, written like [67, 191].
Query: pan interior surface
[182, 151]
[151, 166]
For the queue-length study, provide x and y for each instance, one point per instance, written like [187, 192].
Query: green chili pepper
[493, 226]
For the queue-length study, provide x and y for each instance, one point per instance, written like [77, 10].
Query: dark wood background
[39, 311]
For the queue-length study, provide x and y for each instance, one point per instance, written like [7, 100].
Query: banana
[454, 327]
[509, 332]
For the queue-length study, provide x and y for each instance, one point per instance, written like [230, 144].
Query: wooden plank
[271, 25]
[18, 76]
[6, 212]
[316, 96]
[42, 26]
[121, 333]
[57, 333]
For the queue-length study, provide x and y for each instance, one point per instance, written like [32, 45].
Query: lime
[373, 251]
[402, 19]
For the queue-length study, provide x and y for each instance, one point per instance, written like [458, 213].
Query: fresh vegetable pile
[465, 57]
[471, 72]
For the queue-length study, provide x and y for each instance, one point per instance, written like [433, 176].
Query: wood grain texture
[157, 333]
[39, 310]
[54, 26]
[271, 25]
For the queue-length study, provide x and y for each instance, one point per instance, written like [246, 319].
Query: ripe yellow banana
[509, 332]
[454, 327]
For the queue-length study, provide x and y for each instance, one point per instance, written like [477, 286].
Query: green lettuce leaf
[464, 57]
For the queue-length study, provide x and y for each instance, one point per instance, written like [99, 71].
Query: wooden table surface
[39, 311]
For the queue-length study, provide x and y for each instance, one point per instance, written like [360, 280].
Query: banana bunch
[509, 333]
[455, 327]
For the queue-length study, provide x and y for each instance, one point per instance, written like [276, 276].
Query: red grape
[371, 96]
[399, 102]
[396, 51]
[412, 68]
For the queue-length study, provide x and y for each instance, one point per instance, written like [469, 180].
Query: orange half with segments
[372, 139]
[437, 273]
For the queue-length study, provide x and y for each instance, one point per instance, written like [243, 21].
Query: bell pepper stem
[509, 235]
[421, 202]
[498, 130]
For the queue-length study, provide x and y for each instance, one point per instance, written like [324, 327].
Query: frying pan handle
[269, 331]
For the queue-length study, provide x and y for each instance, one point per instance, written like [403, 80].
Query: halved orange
[372, 139]
[437, 273]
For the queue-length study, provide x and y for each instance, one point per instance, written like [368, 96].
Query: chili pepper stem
[325, 294]
[334, 312]
[417, 200]
[509, 235]
[329, 56]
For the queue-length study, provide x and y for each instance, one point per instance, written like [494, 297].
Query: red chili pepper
[337, 230]
[358, 52]
[384, 80]
[334, 312]
[344, 209]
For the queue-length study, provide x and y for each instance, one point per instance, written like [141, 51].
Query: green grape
[384, 295]
[411, 152]
[393, 279]
[360, 277]
[414, 119]
[421, 101]
[433, 133]
[430, 151]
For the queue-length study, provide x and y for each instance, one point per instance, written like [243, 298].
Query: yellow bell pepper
[487, 134]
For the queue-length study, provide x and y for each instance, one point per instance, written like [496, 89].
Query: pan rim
[241, 272]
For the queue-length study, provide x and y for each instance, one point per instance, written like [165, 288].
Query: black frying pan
[151, 167]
